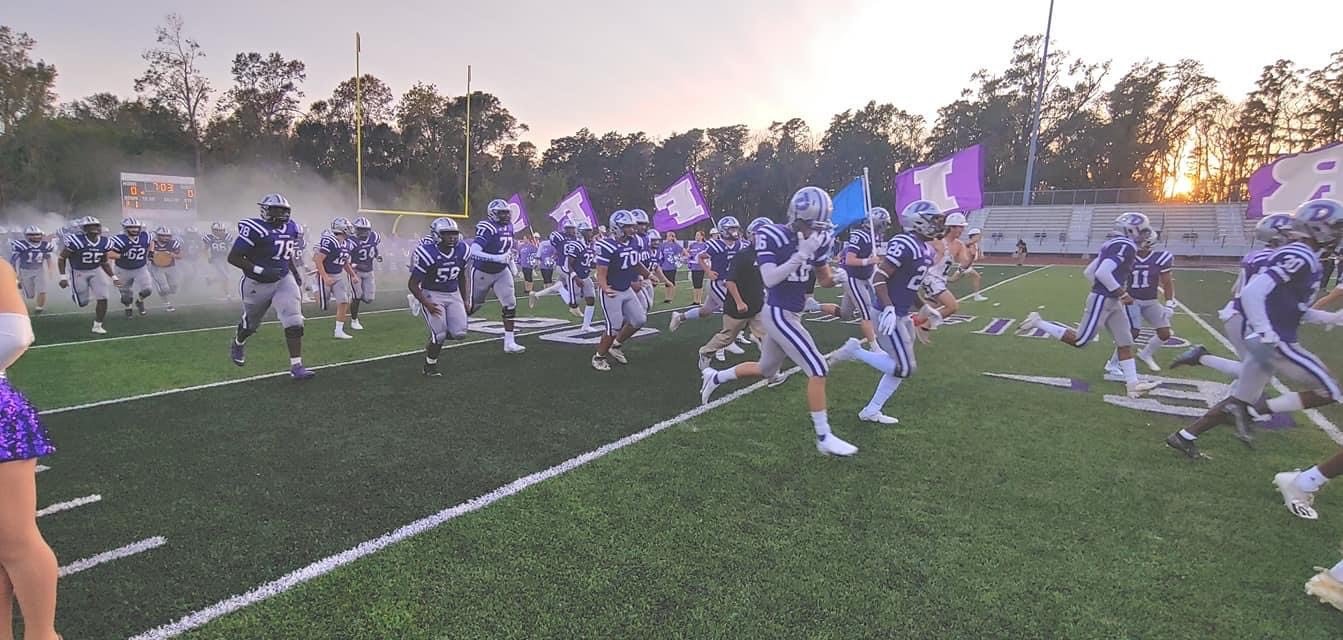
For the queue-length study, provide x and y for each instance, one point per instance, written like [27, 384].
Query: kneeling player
[619, 266]
[437, 281]
[265, 253]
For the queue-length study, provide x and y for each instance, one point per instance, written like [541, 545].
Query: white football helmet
[445, 229]
[956, 219]
[881, 219]
[341, 225]
[923, 218]
[33, 230]
[568, 228]
[163, 231]
[584, 228]
[758, 223]
[1320, 220]
[1274, 229]
[640, 216]
[127, 224]
[499, 211]
[1134, 225]
[811, 207]
[611, 222]
[275, 208]
[622, 219]
[729, 228]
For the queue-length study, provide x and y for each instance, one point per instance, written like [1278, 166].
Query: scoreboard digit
[144, 193]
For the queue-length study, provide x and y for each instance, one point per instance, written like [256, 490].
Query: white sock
[726, 375]
[1337, 571]
[1130, 371]
[1286, 403]
[821, 423]
[878, 360]
[1153, 344]
[1225, 366]
[1310, 480]
[508, 336]
[428, 360]
[1113, 362]
[692, 314]
[886, 387]
[1187, 436]
[1053, 329]
[587, 316]
[564, 295]
[340, 326]
[294, 362]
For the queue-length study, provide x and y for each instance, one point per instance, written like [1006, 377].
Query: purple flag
[680, 206]
[1282, 185]
[574, 205]
[519, 213]
[953, 184]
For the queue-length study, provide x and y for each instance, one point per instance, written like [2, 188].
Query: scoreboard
[143, 193]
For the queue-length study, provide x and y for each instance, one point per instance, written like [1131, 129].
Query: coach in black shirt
[745, 298]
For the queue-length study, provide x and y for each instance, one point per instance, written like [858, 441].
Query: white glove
[809, 245]
[1170, 304]
[888, 321]
[840, 277]
[1227, 311]
[811, 305]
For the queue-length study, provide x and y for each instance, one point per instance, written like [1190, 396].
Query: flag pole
[1035, 117]
[466, 193]
[867, 205]
[358, 128]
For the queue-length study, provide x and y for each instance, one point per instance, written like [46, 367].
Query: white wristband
[257, 270]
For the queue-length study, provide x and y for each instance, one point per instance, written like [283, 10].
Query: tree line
[1153, 126]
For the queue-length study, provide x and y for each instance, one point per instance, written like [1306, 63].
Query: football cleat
[129, 313]
[140, 307]
[531, 299]
[778, 379]
[355, 325]
[877, 417]
[831, 445]
[734, 349]
[676, 320]
[1149, 361]
[847, 351]
[1140, 388]
[616, 354]
[720, 356]
[707, 384]
[702, 362]
[237, 353]
[169, 308]
[742, 339]
[98, 329]
[1240, 417]
[980, 298]
[599, 363]
[573, 311]
[1190, 358]
[1032, 322]
[300, 372]
[1299, 502]
[431, 370]
[1326, 588]
[513, 347]
[341, 335]
[1187, 447]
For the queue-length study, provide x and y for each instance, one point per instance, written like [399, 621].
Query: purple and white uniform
[274, 250]
[87, 280]
[132, 264]
[362, 254]
[31, 259]
[910, 258]
[335, 254]
[721, 253]
[785, 337]
[495, 240]
[438, 274]
[1103, 308]
[622, 260]
[165, 276]
[217, 248]
[579, 261]
[1144, 284]
[859, 296]
[1296, 273]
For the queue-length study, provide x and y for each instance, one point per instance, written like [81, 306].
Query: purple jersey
[621, 259]
[266, 246]
[860, 245]
[335, 253]
[437, 270]
[171, 246]
[775, 244]
[494, 239]
[721, 252]
[557, 240]
[527, 255]
[1121, 252]
[547, 256]
[672, 254]
[218, 245]
[1147, 272]
[29, 255]
[692, 252]
[87, 254]
[579, 258]
[1252, 263]
[911, 258]
[133, 253]
[364, 252]
[1296, 272]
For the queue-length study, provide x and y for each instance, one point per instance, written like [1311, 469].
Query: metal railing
[1122, 195]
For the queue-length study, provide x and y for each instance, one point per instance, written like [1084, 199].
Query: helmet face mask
[923, 219]
[446, 231]
[810, 209]
[1274, 229]
[275, 209]
[500, 212]
[728, 228]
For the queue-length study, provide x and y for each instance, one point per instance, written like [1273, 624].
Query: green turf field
[997, 509]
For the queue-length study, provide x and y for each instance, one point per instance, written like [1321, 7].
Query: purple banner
[1282, 185]
[680, 206]
[953, 184]
[519, 213]
[574, 205]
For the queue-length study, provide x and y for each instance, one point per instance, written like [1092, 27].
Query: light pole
[1035, 116]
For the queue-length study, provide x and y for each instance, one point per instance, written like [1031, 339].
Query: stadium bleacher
[1193, 230]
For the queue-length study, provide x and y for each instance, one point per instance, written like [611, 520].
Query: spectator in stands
[1020, 253]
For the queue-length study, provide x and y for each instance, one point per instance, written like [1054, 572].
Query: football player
[619, 266]
[164, 254]
[671, 256]
[787, 255]
[563, 233]
[219, 244]
[438, 279]
[974, 252]
[1151, 271]
[897, 281]
[746, 297]
[859, 257]
[1272, 304]
[649, 243]
[578, 262]
[266, 253]
[87, 253]
[950, 255]
[366, 249]
[130, 256]
[492, 268]
[714, 260]
[332, 262]
[31, 256]
[1105, 304]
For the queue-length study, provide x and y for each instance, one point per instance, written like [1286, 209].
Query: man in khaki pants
[745, 297]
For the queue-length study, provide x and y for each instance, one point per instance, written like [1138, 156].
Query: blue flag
[850, 205]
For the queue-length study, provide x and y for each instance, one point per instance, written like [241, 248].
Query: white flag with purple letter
[953, 184]
[1282, 185]
[680, 206]
[575, 206]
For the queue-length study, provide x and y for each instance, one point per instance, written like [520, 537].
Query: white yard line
[78, 312]
[178, 332]
[115, 554]
[369, 547]
[1325, 424]
[68, 505]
